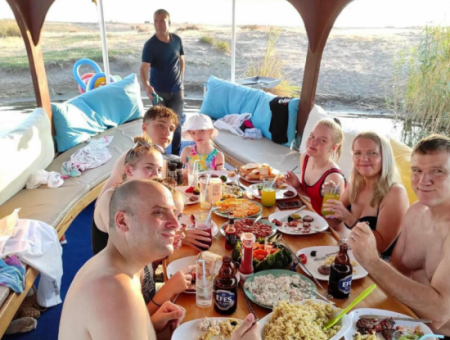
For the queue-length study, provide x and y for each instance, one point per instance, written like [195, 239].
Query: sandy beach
[356, 72]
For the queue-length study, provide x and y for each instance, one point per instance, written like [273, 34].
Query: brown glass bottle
[230, 233]
[341, 271]
[226, 289]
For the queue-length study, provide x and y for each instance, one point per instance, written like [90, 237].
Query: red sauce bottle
[230, 233]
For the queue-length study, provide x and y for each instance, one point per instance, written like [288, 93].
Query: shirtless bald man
[105, 300]
[420, 271]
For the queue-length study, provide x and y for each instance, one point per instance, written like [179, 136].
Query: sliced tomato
[261, 257]
[303, 258]
[260, 252]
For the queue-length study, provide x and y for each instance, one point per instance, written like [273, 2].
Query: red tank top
[314, 191]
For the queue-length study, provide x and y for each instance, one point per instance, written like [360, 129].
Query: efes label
[224, 299]
[345, 284]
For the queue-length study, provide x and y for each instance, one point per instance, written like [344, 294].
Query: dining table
[379, 298]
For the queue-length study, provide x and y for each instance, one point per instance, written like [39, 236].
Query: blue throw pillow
[223, 98]
[95, 111]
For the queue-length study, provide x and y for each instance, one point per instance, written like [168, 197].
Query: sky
[359, 13]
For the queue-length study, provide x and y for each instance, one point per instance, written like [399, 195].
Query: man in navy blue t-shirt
[163, 63]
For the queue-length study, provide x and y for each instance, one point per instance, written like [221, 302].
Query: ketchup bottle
[230, 233]
[248, 240]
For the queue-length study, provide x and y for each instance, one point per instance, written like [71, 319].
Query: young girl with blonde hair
[318, 163]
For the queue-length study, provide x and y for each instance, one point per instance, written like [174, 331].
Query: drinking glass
[204, 280]
[204, 202]
[203, 225]
[330, 193]
[268, 193]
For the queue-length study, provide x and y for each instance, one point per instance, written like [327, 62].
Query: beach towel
[233, 123]
[93, 155]
[12, 274]
[36, 243]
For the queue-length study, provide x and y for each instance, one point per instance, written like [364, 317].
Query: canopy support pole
[30, 16]
[101, 22]
[319, 17]
[233, 43]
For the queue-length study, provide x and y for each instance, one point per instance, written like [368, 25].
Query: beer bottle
[230, 233]
[226, 289]
[341, 272]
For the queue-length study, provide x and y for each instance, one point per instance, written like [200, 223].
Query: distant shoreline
[356, 71]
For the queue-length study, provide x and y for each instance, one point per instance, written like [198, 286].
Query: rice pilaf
[300, 321]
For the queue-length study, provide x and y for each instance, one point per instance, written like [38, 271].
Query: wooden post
[30, 16]
[319, 17]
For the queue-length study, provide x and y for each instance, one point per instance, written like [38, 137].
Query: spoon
[256, 220]
[360, 297]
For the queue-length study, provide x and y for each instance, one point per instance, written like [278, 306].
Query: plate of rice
[206, 329]
[269, 287]
[304, 320]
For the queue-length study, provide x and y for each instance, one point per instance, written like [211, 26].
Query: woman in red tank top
[323, 149]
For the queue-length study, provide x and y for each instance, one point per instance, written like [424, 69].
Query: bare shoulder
[185, 153]
[396, 192]
[335, 177]
[302, 158]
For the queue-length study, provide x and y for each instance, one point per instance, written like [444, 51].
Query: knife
[394, 318]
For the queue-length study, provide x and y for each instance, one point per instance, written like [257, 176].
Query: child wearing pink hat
[200, 129]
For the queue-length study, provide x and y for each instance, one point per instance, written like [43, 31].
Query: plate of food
[269, 287]
[382, 325]
[232, 190]
[188, 222]
[191, 195]
[303, 222]
[283, 193]
[260, 229]
[265, 255]
[256, 173]
[225, 175]
[206, 328]
[303, 321]
[319, 259]
[242, 208]
[187, 265]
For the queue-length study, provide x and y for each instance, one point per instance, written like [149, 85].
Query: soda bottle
[226, 289]
[341, 271]
[230, 233]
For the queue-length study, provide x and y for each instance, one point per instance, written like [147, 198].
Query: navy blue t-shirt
[165, 69]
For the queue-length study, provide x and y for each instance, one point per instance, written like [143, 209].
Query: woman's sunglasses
[144, 144]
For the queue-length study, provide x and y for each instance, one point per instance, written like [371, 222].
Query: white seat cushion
[258, 151]
[25, 149]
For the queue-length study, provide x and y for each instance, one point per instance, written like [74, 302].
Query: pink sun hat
[198, 122]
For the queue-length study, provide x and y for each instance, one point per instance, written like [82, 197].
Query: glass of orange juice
[268, 193]
[330, 193]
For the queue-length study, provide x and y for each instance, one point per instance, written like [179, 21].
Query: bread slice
[263, 171]
[250, 166]
[252, 176]
[208, 255]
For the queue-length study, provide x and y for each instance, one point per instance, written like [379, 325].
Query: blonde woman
[372, 195]
[318, 163]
